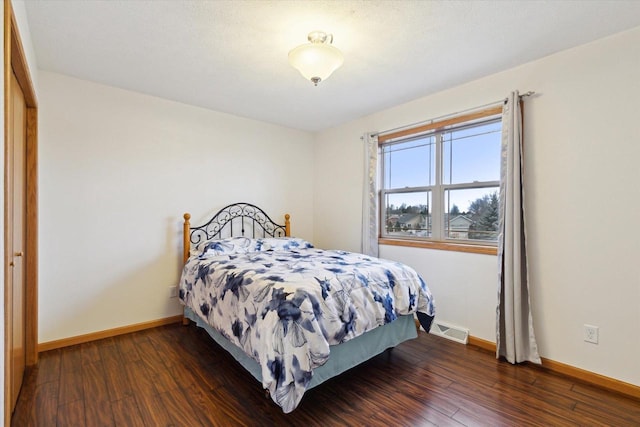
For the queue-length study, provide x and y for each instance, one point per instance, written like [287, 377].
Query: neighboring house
[458, 227]
[419, 225]
[392, 220]
[410, 223]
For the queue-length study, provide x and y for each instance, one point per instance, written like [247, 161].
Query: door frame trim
[15, 58]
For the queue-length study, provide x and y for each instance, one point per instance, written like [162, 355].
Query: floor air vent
[455, 333]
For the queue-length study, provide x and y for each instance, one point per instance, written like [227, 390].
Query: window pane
[471, 214]
[472, 154]
[410, 163]
[407, 214]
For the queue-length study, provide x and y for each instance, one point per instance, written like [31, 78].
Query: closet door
[15, 211]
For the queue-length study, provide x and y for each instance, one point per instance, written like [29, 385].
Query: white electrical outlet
[591, 334]
[173, 291]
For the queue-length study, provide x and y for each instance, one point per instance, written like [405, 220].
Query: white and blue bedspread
[285, 308]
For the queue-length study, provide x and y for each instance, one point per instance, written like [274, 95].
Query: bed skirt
[342, 357]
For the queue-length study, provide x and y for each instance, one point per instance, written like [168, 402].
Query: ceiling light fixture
[317, 59]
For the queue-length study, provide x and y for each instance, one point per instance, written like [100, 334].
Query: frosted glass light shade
[316, 60]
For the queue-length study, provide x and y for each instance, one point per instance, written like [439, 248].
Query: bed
[291, 314]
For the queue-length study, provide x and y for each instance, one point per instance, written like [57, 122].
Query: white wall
[117, 171]
[582, 146]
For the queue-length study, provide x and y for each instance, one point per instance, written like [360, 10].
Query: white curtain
[515, 338]
[369, 244]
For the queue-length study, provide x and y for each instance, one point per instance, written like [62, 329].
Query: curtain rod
[424, 122]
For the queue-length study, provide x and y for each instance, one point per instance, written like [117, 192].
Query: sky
[471, 154]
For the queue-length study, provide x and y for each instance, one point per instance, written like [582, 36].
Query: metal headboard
[237, 219]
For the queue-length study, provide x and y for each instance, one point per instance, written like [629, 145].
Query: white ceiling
[231, 56]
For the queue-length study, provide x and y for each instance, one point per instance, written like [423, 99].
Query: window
[441, 182]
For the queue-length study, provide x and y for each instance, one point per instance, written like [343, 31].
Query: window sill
[443, 246]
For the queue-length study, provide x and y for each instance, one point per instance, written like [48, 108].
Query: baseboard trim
[483, 344]
[573, 372]
[592, 378]
[66, 342]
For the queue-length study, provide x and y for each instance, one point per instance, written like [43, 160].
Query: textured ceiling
[231, 56]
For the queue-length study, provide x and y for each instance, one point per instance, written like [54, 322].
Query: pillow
[282, 244]
[230, 245]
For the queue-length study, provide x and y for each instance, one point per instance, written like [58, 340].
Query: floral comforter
[284, 303]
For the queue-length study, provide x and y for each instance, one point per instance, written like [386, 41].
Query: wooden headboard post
[186, 230]
[287, 225]
[186, 248]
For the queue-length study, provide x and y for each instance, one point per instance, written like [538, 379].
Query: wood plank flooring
[177, 376]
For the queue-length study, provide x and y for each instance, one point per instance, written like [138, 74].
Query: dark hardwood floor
[177, 376]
